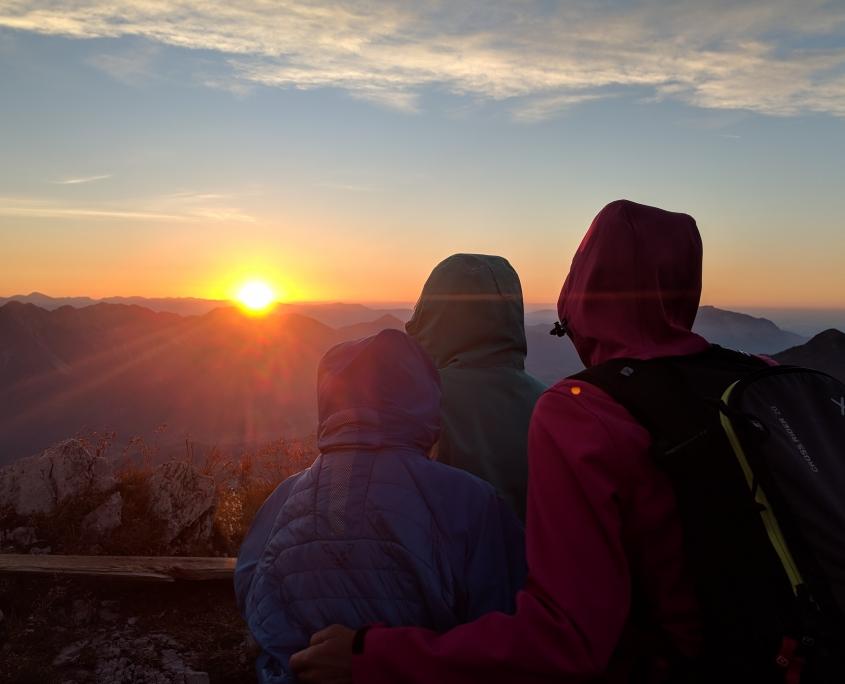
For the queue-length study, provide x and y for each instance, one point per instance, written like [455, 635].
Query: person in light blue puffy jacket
[374, 531]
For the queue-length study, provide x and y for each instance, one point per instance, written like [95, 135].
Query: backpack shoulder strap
[675, 398]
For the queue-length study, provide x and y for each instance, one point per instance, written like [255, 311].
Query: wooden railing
[141, 568]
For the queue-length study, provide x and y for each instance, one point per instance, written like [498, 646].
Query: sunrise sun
[256, 296]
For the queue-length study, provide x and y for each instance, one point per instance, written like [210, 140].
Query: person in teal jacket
[471, 321]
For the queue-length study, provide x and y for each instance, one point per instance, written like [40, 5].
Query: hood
[376, 393]
[634, 285]
[470, 313]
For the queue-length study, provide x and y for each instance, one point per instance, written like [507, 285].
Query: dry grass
[243, 479]
[62, 528]
[245, 482]
[140, 534]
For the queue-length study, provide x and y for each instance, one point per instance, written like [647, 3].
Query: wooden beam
[142, 568]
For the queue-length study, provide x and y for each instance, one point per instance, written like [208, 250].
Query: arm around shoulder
[570, 615]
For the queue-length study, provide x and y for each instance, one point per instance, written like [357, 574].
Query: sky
[340, 150]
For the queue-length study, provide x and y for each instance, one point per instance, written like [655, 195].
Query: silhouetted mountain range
[226, 378]
[551, 358]
[184, 306]
[222, 377]
[803, 321]
[741, 331]
[334, 315]
[825, 352]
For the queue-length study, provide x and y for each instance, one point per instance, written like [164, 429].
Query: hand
[328, 660]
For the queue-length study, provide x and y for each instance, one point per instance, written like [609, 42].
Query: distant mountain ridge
[741, 331]
[825, 352]
[222, 377]
[333, 314]
[184, 306]
[551, 358]
[728, 328]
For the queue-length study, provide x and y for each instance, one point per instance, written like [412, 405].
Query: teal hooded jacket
[470, 319]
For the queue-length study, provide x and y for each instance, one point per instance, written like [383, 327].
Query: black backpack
[756, 455]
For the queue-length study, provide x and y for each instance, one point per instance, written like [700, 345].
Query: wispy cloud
[400, 100]
[84, 212]
[541, 108]
[192, 196]
[194, 208]
[133, 65]
[230, 83]
[81, 179]
[210, 206]
[776, 57]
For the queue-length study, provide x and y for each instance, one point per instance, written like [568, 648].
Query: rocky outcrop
[21, 537]
[40, 483]
[105, 518]
[169, 510]
[185, 500]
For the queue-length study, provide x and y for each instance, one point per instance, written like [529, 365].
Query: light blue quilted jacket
[374, 531]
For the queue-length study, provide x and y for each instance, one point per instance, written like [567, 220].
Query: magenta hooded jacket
[601, 517]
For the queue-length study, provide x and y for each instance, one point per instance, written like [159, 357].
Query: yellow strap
[772, 528]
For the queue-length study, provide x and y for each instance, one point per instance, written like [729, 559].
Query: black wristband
[358, 640]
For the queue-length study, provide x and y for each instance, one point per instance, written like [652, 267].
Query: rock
[82, 612]
[41, 550]
[69, 654]
[109, 611]
[39, 483]
[197, 678]
[171, 660]
[165, 639]
[23, 537]
[105, 518]
[184, 499]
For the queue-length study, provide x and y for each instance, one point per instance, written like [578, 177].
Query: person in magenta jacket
[602, 525]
